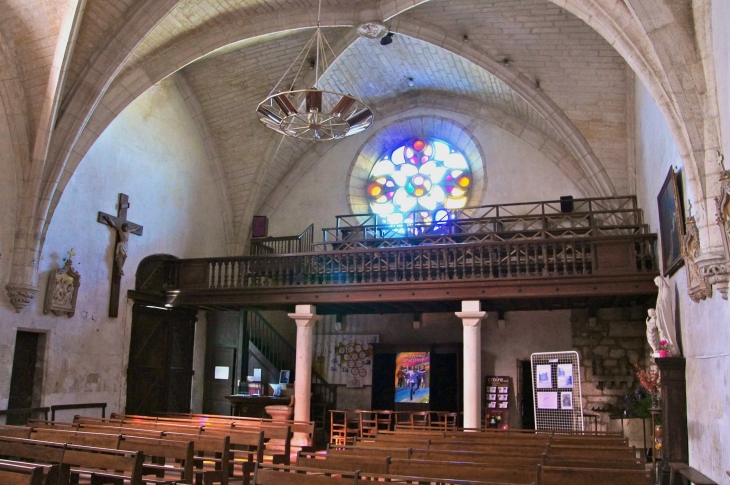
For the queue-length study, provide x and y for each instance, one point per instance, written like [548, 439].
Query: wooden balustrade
[546, 258]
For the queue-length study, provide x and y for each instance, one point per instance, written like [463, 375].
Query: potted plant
[663, 350]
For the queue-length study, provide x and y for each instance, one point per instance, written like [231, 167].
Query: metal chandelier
[313, 113]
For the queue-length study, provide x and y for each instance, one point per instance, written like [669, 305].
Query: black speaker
[566, 203]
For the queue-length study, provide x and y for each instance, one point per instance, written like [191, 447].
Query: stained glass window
[419, 179]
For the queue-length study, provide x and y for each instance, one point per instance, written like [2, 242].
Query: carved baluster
[509, 260]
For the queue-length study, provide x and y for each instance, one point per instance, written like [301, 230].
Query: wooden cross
[116, 222]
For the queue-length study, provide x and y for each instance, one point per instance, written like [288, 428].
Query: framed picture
[566, 400]
[544, 377]
[671, 222]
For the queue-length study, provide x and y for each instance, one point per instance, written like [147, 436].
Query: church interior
[490, 235]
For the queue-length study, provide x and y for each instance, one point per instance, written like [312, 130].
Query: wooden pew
[212, 449]
[18, 473]
[40, 452]
[365, 464]
[285, 475]
[591, 453]
[635, 464]
[441, 455]
[14, 431]
[165, 456]
[109, 441]
[102, 463]
[462, 471]
[548, 475]
[688, 474]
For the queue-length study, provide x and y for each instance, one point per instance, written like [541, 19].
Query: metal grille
[557, 392]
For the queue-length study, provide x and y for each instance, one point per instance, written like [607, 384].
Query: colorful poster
[412, 377]
[345, 359]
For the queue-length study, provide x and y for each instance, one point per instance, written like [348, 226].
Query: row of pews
[480, 457]
[137, 450]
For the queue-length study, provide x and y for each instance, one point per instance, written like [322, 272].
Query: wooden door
[23, 376]
[159, 375]
[219, 379]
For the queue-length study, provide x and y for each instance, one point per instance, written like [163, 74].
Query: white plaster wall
[515, 172]
[153, 153]
[704, 327]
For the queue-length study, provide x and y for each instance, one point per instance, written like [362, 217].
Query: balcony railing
[611, 216]
[488, 260]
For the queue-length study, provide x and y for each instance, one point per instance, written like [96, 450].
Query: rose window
[418, 180]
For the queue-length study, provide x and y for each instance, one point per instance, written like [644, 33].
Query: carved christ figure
[120, 256]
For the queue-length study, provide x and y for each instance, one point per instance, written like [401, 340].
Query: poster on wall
[345, 359]
[498, 395]
[547, 400]
[565, 375]
[544, 377]
[413, 377]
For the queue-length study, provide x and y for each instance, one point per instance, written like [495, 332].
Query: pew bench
[19, 473]
[21, 449]
[286, 475]
[549, 475]
[365, 464]
[688, 474]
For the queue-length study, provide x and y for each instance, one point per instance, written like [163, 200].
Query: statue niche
[63, 288]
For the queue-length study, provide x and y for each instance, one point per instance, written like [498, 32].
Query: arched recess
[135, 81]
[442, 105]
[150, 278]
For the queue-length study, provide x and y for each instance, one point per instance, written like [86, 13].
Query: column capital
[305, 316]
[471, 319]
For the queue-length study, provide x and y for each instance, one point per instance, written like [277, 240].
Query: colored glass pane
[423, 175]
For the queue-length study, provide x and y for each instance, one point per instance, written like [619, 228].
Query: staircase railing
[283, 356]
[284, 244]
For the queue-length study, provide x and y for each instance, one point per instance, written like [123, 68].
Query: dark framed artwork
[671, 222]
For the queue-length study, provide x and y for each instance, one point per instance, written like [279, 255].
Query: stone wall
[609, 342]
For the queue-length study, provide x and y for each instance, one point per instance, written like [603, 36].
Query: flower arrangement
[663, 349]
[648, 380]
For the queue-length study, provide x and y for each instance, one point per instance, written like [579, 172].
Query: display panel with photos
[412, 377]
[497, 404]
[556, 391]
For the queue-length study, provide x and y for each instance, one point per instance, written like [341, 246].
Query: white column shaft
[471, 318]
[303, 374]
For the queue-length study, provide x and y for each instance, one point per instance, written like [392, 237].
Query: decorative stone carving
[718, 273]
[697, 286]
[62, 290]
[20, 295]
[372, 30]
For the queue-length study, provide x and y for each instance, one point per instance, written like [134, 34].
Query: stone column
[471, 317]
[305, 316]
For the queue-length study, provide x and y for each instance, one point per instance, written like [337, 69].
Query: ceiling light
[388, 39]
[313, 113]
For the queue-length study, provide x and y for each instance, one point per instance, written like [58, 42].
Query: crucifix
[124, 228]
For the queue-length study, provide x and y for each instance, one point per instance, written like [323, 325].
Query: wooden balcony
[567, 271]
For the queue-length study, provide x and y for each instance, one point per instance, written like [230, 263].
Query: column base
[20, 295]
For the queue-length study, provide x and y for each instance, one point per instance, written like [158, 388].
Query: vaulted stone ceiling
[231, 52]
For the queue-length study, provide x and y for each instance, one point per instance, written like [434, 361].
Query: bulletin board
[557, 391]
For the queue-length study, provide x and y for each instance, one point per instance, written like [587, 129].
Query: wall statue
[652, 333]
[665, 315]
[62, 290]
[697, 285]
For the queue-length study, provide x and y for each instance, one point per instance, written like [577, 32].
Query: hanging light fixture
[313, 113]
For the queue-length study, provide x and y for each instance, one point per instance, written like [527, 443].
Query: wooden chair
[368, 424]
[384, 420]
[421, 419]
[341, 433]
[445, 420]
